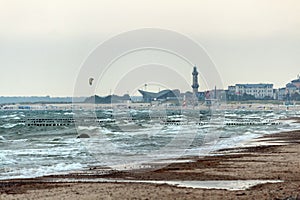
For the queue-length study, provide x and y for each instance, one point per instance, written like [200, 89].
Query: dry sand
[271, 162]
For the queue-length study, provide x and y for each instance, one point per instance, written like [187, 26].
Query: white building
[259, 91]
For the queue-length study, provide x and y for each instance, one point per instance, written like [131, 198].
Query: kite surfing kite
[91, 81]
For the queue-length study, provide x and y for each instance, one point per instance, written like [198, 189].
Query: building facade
[281, 93]
[296, 82]
[291, 89]
[259, 91]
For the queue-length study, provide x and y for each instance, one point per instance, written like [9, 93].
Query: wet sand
[278, 161]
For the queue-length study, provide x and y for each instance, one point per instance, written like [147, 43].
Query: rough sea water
[43, 142]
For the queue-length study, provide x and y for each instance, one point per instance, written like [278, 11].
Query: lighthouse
[195, 85]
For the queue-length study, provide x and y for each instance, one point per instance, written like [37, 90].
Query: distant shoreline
[127, 106]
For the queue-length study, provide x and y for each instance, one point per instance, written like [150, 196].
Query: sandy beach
[273, 157]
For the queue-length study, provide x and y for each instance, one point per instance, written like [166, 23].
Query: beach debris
[91, 80]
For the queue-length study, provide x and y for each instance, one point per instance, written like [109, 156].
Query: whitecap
[60, 168]
[12, 116]
[8, 125]
[69, 113]
[20, 140]
[87, 127]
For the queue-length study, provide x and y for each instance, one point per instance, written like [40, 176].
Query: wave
[9, 125]
[69, 113]
[88, 127]
[8, 116]
[60, 168]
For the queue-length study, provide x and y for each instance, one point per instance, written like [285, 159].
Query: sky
[43, 44]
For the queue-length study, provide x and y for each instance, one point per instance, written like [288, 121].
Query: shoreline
[277, 160]
[263, 106]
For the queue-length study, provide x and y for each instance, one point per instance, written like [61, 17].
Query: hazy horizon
[44, 43]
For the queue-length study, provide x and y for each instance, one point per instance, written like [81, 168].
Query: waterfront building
[296, 82]
[231, 90]
[259, 91]
[160, 96]
[281, 93]
[291, 88]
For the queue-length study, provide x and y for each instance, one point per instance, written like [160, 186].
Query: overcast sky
[44, 43]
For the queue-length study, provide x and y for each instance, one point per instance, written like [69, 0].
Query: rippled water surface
[41, 142]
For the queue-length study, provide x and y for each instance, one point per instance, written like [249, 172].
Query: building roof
[290, 85]
[158, 95]
[281, 89]
[296, 80]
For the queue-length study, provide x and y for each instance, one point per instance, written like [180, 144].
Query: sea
[36, 143]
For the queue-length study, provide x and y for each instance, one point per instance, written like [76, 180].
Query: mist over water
[118, 137]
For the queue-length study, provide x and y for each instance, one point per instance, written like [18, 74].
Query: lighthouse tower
[195, 85]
